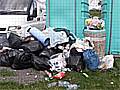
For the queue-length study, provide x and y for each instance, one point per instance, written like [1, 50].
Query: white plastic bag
[57, 62]
[107, 62]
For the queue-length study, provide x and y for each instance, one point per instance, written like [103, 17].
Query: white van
[16, 15]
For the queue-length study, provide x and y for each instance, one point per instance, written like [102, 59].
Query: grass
[6, 73]
[96, 80]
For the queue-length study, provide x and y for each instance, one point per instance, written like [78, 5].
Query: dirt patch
[25, 76]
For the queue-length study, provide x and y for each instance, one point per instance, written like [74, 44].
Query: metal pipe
[75, 15]
[49, 13]
[111, 19]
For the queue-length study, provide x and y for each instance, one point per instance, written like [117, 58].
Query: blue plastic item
[40, 36]
[91, 59]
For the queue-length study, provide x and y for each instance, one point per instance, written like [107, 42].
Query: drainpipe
[111, 19]
[49, 13]
[75, 16]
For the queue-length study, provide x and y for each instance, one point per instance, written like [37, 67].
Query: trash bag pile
[52, 50]
[95, 23]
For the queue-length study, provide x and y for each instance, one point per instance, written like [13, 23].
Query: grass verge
[7, 73]
[101, 80]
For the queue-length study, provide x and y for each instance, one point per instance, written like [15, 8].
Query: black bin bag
[40, 63]
[22, 61]
[75, 60]
[33, 46]
[7, 58]
[3, 40]
[16, 59]
[14, 41]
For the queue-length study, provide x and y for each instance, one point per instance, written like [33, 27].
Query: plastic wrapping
[40, 36]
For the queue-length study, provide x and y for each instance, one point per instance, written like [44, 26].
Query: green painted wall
[67, 13]
[115, 38]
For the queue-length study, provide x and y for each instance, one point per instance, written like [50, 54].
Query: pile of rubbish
[95, 23]
[54, 50]
[65, 84]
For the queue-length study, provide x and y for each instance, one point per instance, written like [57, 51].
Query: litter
[36, 77]
[52, 84]
[107, 62]
[63, 53]
[111, 83]
[39, 35]
[57, 62]
[60, 75]
[75, 60]
[85, 75]
[91, 59]
[15, 41]
[65, 84]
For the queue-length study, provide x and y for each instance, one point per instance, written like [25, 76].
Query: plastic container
[99, 40]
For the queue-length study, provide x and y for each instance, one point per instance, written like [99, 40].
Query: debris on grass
[111, 83]
[85, 75]
[65, 84]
